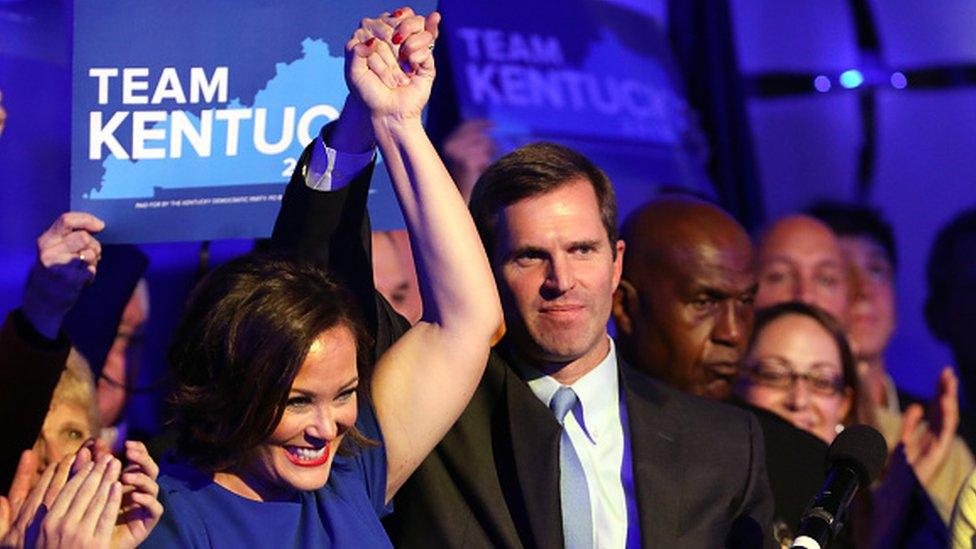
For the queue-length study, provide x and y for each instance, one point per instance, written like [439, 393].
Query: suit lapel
[655, 444]
[535, 446]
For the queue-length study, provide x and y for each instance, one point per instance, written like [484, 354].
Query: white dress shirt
[598, 438]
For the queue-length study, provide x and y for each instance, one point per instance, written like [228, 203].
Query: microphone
[854, 460]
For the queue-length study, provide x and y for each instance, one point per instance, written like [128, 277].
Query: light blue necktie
[573, 494]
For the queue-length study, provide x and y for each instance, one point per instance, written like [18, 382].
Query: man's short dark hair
[847, 219]
[944, 259]
[246, 330]
[532, 170]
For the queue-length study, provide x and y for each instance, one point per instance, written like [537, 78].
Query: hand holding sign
[67, 258]
[389, 62]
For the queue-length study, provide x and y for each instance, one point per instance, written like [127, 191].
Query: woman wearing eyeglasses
[800, 366]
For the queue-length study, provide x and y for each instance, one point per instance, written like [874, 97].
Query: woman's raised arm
[423, 382]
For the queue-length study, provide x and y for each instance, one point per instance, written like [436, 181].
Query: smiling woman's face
[796, 373]
[321, 408]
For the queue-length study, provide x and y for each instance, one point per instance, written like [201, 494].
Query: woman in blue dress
[280, 443]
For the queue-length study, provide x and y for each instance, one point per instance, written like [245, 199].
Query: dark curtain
[704, 48]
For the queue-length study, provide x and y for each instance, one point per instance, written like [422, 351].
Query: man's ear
[618, 261]
[625, 303]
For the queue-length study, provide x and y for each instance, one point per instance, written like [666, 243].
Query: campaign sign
[586, 73]
[189, 117]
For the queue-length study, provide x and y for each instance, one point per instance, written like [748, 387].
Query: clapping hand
[927, 443]
[20, 489]
[85, 500]
[65, 510]
[140, 509]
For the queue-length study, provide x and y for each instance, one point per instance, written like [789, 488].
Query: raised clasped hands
[390, 62]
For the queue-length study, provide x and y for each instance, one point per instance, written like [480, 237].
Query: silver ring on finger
[81, 256]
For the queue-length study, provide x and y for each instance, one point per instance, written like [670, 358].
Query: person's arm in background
[468, 150]
[33, 349]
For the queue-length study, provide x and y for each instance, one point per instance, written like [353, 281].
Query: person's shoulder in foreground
[701, 460]
[698, 472]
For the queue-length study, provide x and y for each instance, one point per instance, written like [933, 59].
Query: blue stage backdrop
[188, 118]
[591, 75]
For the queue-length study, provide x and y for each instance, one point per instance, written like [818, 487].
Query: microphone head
[861, 447]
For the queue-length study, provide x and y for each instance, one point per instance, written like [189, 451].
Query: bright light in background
[851, 79]
[898, 80]
[821, 83]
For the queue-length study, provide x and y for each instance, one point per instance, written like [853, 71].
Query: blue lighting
[821, 83]
[898, 80]
[851, 79]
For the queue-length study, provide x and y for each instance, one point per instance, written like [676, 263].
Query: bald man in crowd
[800, 259]
[683, 312]
[684, 307]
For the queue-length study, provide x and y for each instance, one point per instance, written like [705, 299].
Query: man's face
[871, 319]
[692, 316]
[394, 274]
[800, 260]
[556, 274]
[123, 359]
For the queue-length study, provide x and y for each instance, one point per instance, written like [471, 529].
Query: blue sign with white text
[590, 74]
[188, 118]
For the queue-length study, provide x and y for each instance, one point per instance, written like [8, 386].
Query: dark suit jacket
[795, 461]
[494, 479]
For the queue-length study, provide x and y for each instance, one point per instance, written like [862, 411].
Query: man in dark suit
[683, 312]
[632, 462]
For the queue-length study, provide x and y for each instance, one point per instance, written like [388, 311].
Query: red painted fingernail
[397, 38]
[403, 54]
[369, 43]
[397, 13]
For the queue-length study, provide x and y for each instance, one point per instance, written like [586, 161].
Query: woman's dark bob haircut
[246, 331]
